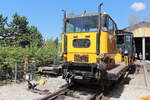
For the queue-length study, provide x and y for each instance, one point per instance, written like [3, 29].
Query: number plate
[78, 77]
[81, 58]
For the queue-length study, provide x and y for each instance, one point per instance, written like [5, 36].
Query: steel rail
[54, 95]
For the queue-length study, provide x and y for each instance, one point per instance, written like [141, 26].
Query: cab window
[81, 43]
[104, 23]
[82, 24]
[110, 26]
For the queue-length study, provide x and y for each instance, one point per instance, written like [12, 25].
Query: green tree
[19, 24]
[20, 34]
[35, 37]
[3, 24]
[18, 39]
[3, 31]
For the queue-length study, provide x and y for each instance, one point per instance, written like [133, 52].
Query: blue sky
[47, 15]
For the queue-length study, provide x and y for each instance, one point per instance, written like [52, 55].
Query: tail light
[65, 58]
[98, 60]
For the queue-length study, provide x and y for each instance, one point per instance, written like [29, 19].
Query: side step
[117, 72]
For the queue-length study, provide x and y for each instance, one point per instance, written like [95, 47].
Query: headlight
[101, 55]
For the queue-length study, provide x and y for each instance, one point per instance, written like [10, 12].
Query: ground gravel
[134, 89]
[129, 92]
[20, 92]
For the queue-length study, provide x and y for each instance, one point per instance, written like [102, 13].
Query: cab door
[81, 47]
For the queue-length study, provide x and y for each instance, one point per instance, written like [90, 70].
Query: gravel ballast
[133, 90]
[20, 91]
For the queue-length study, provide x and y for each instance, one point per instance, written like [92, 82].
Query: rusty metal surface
[56, 94]
[41, 92]
[53, 70]
[117, 72]
[99, 96]
[46, 68]
[118, 67]
[82, 16]
[81, 58]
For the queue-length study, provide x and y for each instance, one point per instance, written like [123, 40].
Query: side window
[115, 28]
[104, 23]
[128, 38]
[70, 27]
[110, 26]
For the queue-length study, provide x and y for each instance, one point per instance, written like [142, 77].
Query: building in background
[141, 33]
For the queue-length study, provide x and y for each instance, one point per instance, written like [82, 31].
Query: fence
[15, 71]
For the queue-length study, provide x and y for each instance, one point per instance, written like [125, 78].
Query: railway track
[67, 93]
[53, 96]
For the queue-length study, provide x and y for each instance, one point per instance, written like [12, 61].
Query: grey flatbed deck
[117, 72]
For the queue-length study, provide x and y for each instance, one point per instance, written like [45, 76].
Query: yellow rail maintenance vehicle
[89, 48]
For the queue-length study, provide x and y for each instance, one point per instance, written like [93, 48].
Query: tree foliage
[18, 32]
[18, 39]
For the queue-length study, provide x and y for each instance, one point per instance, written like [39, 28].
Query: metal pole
[99, 7]
[65, 15]
[99, 31]
[143, 47]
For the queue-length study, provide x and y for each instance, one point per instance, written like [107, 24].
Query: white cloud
[138, 6]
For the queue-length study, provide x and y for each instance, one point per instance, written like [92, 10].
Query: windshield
[82, 24]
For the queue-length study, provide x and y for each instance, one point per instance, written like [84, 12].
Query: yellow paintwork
[107, 45]
[104, 42]
[126, 59]
[118, 58]
[62, 43]
[72, 36]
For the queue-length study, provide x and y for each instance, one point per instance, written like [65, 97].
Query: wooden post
[26, 64]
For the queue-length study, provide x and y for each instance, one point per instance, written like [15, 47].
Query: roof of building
[141, 24]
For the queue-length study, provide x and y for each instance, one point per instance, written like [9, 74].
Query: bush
[46, 54]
